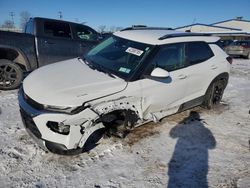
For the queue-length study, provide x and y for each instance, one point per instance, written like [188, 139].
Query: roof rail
[187, 34]
[144, 27]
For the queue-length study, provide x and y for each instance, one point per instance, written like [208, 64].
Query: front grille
[30, 124]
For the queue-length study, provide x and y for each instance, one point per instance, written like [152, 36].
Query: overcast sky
[123, 13]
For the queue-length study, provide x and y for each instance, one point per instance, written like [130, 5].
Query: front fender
[122, 103]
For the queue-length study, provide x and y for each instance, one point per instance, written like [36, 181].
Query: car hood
[70, 83]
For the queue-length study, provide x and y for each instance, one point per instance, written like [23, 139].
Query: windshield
[118, 56]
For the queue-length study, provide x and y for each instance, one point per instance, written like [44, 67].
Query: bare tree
[101, 28]
[24, 18]
[118, 28]
[8, 24]
[112, 29]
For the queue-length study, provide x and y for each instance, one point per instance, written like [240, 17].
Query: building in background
[234, 29]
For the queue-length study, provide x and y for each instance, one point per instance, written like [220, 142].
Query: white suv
[135, 76]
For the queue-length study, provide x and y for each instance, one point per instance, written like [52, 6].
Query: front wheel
[214, 93]
[11, 75]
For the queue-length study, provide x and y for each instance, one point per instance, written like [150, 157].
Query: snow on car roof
[153, 36]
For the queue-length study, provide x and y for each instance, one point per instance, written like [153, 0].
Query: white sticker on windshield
[134, 51]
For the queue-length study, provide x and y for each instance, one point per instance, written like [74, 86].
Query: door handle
[214, 67]
[182, 76]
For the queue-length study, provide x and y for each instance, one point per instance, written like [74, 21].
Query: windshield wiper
[97, 67]
[106, 71]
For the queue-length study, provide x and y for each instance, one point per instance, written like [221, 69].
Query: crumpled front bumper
[35, 122]
[32, 129]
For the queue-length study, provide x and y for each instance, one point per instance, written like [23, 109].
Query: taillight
[230, 60]
[242, 47]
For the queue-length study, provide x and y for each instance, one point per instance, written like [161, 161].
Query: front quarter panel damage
[77, 122]
[122, 103]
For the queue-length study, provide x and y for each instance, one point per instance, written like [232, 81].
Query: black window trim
[209, 49]
[144, 70]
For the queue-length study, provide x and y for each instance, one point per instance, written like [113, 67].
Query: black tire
[11, 75]
[214, 93]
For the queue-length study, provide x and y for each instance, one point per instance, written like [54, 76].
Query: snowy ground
[210, 148]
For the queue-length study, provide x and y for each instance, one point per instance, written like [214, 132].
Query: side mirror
[159, 73]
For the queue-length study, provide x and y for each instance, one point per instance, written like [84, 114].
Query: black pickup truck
[45, 41]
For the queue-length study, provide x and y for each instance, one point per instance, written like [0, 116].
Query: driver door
[163, 96]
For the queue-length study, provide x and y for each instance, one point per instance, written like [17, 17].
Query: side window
[197, 52]
[57, 29]
[170, 57]
[85, 33]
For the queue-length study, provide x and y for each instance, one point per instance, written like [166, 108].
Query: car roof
[161, 36]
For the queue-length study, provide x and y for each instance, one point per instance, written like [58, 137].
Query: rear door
[202, 68]
[57, 42]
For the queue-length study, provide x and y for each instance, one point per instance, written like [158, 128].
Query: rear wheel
[214, 93]
[11, 75]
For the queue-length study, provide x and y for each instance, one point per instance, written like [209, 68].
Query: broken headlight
[68, 110]
[58, 127]
[58, 108]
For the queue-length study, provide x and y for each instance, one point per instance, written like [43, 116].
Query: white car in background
[135, 76]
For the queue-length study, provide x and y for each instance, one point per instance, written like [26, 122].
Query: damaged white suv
[135, 76]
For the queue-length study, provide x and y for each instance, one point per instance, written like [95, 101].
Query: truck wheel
[214, 94]
[11, 75]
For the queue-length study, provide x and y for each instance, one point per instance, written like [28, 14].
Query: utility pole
[60, 15]
[12, 17]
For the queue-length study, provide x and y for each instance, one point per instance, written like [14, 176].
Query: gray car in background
[239, 48]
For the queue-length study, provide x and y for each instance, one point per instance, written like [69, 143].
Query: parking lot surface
[196, 148]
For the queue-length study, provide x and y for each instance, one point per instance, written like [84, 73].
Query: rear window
[224, 43]
[197, 52]
[241, 43]
[55, 29]
[29, 27]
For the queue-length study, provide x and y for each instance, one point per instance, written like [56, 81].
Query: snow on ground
[206, 148]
